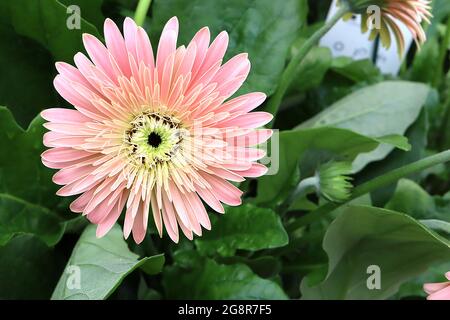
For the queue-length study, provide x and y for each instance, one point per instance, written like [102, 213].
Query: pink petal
[98, 54]
[257, 170]
[61, 115]
[167, 43]
[443, 294]
[116, 46]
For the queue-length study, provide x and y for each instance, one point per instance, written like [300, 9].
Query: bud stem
[289, 72]
[372, 185]
[304, 187]
[141, 11]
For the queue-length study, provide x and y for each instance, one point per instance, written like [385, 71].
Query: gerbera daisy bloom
[154, 135]
[438, 291]
[409, 12]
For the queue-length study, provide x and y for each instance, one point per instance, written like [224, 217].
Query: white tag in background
[346, 39]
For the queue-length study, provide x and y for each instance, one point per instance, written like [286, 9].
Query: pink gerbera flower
[438, 291]
[409, 12]
[154, 134]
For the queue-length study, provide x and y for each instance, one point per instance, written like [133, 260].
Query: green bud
[334, 181]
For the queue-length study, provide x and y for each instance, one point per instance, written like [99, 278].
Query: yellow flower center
[153, 138]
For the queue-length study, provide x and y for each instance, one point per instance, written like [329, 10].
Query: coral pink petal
[98, 54]
[168, 42]
[443, 294]
[434, 287]
[116, 46]
[257, 170]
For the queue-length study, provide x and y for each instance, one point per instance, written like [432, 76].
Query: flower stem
[442, 54]
[303, 188]
[372, 185]
[289, 73]
[141, 11]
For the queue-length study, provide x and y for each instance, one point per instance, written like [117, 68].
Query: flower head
[334, 181]
[154, 135]
[410, 12]
[438, 291]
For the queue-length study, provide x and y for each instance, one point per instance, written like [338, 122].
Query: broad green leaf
[264, 28]
[437, 225]
[417, 136]
[210, 280]
[312, 69]
[154, 264]
[46, 22]
[356, 70]
[90, 10]
[19, 216]
[426, 62]
[363, 236]
[400, 142]
[28, 203]
[263, 266]
[383, 109]
[27, 74]
[102, 264]
[22, 173]
[409, 197]
[246, 227]
[29, 269]
[309, 147]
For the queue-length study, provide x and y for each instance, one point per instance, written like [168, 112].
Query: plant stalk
[289, 72]
[141, 11]
[303, 188]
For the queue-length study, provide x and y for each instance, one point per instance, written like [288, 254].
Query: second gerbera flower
[409, 12]
[154, 135]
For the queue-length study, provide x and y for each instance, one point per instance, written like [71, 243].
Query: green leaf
[263, 266]
[263, 28]
[25, 66]
[426, 62]
[154, 264]
[308, 147]
[18, 216]
[46, 22]
[417, 135]
[91, 10]
[28, 269]
[400, 142]
[103, 264]
[356, 70]
[312, 69]
[437, 225]
[22, 173]
[210, 280]
[246, 227]
[365, 236]
[374, 111]
[409, 197]
[27, 194]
